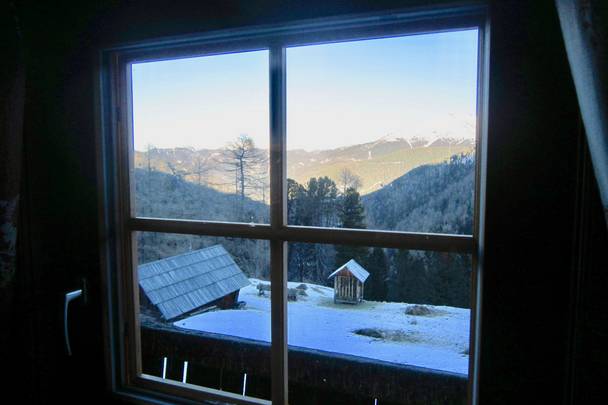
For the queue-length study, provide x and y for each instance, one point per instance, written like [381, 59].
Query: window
[296, 210]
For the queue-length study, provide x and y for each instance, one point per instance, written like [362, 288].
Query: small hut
[179, 285]
[348, 283]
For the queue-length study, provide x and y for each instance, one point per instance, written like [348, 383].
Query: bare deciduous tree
[201, 168]
[178, 173]
[246, 163]
[348, 179]
[149, 150]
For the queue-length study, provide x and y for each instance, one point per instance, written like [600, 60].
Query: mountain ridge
[377, 163]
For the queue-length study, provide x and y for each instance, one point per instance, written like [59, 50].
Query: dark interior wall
[531, 223]
[58, 230]
[532, 170]
[587, 363]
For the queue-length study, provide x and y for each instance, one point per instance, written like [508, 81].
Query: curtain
[585, 30]
[12, 98]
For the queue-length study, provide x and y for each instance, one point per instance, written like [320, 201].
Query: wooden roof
[182, 283]
[353, 268]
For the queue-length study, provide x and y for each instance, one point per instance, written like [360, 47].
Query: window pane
[377, 314]
[199, 304]
[381, 133]
[201, 138]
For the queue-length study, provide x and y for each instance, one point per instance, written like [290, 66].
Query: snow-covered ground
[438, 341]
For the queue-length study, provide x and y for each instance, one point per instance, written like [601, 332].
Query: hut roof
[182, 283]
[354, 268]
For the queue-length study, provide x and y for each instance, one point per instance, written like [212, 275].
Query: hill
[377, 163]
[163, 195]
[431, 198]
[434, 198]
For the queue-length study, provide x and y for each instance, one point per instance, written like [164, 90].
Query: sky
[337, 94]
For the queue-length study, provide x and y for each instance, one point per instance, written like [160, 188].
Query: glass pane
[378, 315]
[381, 133]
[201, 136]
[199, 303]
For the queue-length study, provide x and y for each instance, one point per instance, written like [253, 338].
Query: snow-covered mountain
[377, 163]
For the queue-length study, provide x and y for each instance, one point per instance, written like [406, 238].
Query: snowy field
[385, 332]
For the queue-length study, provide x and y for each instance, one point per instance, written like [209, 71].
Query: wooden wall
[347, 288]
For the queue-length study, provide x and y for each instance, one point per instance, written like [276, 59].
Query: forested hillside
[376, 163]
[163, 195]
[431, 198]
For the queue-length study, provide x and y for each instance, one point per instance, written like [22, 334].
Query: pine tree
[376, 285]
[313, 205]
[351, 215]
[321, 202]
[451, 279]
[410, 279]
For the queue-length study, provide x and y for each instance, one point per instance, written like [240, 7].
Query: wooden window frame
[118, 221]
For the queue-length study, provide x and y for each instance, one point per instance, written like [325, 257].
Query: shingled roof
[179, 284]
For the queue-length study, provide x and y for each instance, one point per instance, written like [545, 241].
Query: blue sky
[337, 94]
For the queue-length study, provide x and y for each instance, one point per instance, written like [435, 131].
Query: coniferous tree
[351, 215]
[410, 283]
[450, 279]
[296, 253]
[376, 284]
[321, 202]
[295, 199]
[312, 205]
[320, 210]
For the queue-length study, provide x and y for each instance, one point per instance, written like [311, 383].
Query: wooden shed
[349, 281]
[179, 285]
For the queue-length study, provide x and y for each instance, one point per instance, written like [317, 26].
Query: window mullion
[278, 218]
